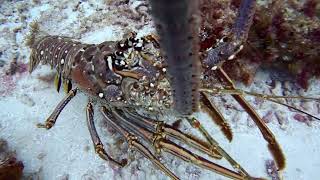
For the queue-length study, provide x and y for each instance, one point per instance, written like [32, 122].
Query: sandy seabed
[66, 151]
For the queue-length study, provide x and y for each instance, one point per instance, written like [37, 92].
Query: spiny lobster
[129, 75]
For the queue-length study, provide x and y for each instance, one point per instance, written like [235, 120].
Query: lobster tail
[31, 40]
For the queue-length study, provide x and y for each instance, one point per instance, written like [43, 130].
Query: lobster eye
[122, 45]
[119, 64]
[119, 53]
[139, 45]
[135, 85]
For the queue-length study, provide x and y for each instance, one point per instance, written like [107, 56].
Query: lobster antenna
[282, 97]
[239, 34]
[271, 98]
[177, 23]
[289, 106]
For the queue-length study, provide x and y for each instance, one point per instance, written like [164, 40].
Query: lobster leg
[166, 129]
[188, 156]
[98, 146]
[273, 146]
[56, 112]
[215, 145]
[134, 143]
[160, 142]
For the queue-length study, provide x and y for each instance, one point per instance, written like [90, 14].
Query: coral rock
[10, 168]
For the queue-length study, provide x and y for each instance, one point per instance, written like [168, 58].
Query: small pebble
[25, 99]
[2, 63]
[268, 117]
[272, 171]
[41, 155]
[86, 148]
[63, 177]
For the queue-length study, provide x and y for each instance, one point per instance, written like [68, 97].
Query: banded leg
[186, 155]
[215, 145]
[98, 146]
[56, 112]
[273, 145]
[161, 142]
[213, 149]
[160, 127]
[134, 143]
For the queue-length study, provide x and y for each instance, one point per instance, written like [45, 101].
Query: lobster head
[124, 73]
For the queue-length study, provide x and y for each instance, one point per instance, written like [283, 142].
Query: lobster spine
[177, 23]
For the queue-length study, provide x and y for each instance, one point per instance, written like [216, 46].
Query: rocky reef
[284, 38]
[10, 167]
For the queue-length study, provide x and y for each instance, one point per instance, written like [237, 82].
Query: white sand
[66, 152]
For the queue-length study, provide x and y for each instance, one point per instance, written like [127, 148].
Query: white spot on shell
[164, 69]
[41, 52]
[151, 85]
[231, 57]
[241, 47]
[66, 51]
[214, 68]
[101, 95]
[62, 61]
[109, 59]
